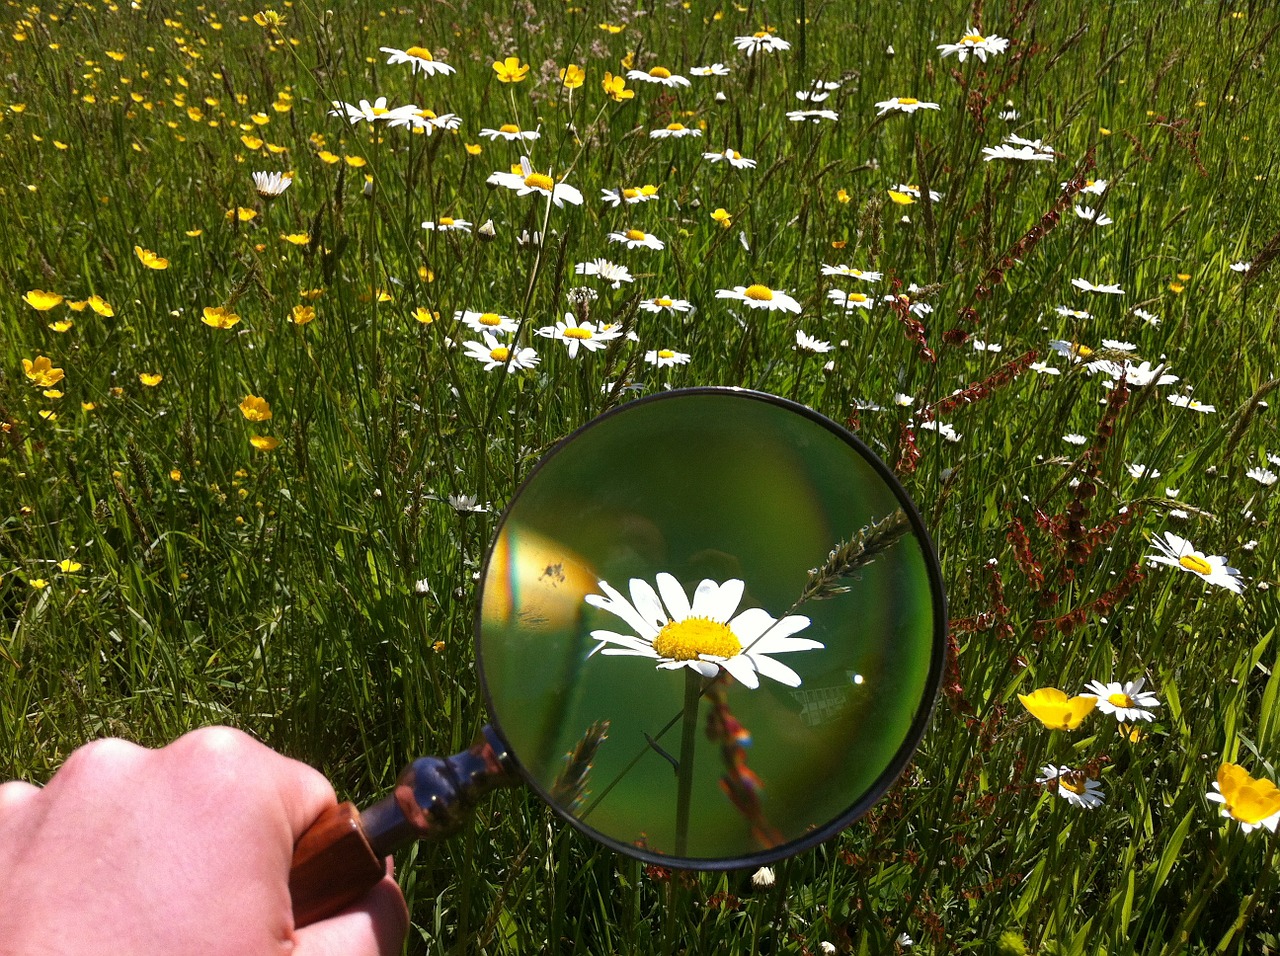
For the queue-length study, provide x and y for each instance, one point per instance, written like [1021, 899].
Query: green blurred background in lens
[706, 485]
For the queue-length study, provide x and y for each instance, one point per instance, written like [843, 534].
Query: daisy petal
[673, 596]
[774, 670]
[743, 672]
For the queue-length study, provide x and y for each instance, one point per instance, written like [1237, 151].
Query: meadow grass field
[257, 434]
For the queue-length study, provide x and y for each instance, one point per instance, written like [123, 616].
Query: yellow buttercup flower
[41, 372]
[264, 442]
[1055, 710]
[101, 306]
[297, 238]
[62, 325]
[510, 70]
[615, 86]
[572, 76]
[255, 409]
[219, 317]
[1250, 800]
[150, 379]
[75, 306]
[150, 259]
[722, 216]
[42, 301]
[302, 314]
[902, 199]
[425, 316]
[67, 566]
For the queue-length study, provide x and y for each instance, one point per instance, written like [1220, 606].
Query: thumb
[374, 926]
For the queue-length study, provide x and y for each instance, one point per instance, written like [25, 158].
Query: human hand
[185, 849]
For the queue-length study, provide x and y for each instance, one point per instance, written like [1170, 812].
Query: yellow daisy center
[540, 181]
[760, 34]
[665, 302]
[1193, 562]
[637, 236]
[661, 72]
[973, 38]
[446, 221]
[490, 318]
[421, 52]
[666, 353]
[1120, 700]
[857, 297]
[380, 111]
[630, 193]
[508, 128]
[577, 332]
[1083, 351]
[1076, 782]
[761, 293]
[675, 127]
[500, 354]
[686, 640]
[907, 101]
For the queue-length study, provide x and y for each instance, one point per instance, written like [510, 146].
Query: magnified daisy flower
[606, 270]
[760, 297]
[1084, 285]
[704, 635]
[1079, 789]
[813, 116]
[732, 157]
[580, 335]
[636, 237]
[419, 59]
[809, 344]
[1252, 802]
[631, 194]
[715, 69]
[1089, 213]
[975, 43]
[1178, 552]
[270, 185]
[1186, 401]
[1262, 476]
[904, 104]
[664, 357]
[527, 181]
[486, 321]
[447, 224]
[496, 355]
[510, 132]
[664, 302]
[760, 41]
[678, 130]
[1128, 701]
[659, 74]
[855, 273]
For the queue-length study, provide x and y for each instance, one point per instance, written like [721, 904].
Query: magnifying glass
[711, 630]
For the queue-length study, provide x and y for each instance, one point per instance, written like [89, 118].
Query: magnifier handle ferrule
[343, 853]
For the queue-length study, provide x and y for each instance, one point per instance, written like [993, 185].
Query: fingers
[375, 926]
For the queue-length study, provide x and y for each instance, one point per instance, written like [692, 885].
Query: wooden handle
[333, 865]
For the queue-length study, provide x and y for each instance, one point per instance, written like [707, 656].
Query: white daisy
[903, 400]
[270, 185]
[1262, 476]
[913, 191]
[1139, 471]
[1241, 266]
[704, 635]
[1129, 702]
[1138, 376]
[1147, 317]
[904, 104]
[855, 273]
[606, 270]
[943, 429]
[813, 116]
[810, 344]
[1078, 789]
[364, 110]
[1092, 187]
[636, 237]
[576, 335]
[1178, 552]
[495, 355]
[760, 297]
[419, 59]
[1070, 313]
[447, 224]
[678, 130]
[486, 321]
[1074, 438]
[1084, 285]
[850, 300]
[715, 69]
[1015, 147]
[1116, 345]
[661, 302]
[510, 132]
[975, 43]
[1044, 368]
[423, 119]
[616, 197]
[732, 157]
[1186, 401]
[664, 357]
[981, 346]
[527, 181]
[760, 41]
[1095, 217]
[659, 74]
[919, 309]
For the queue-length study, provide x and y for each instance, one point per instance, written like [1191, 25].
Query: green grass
[275, 591]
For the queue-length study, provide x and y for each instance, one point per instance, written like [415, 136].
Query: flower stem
[688, 740]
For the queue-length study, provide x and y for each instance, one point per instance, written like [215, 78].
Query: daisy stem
[688, 740]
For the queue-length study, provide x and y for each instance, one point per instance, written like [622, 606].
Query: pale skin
[184, 849]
